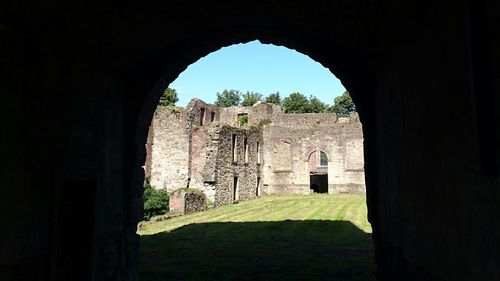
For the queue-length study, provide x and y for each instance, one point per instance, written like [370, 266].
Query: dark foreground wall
[79, 83]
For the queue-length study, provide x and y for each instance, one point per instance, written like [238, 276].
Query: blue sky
[259, 68]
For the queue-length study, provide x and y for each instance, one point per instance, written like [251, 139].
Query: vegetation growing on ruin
[175, 109]
[188, 190]
[315, 237]
[243, 119]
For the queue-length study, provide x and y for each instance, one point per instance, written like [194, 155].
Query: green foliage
[343, 105]
[169, 97]
[175, 109]
[274, 98]
[155, 201]
[251, 98]
[316, 106]
[296, 103]
[243, 119]
[228, 98]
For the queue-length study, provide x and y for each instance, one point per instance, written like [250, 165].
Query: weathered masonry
[313, 152]
[194, 148]
[231, 158]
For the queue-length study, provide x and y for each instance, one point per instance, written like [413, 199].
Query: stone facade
[238, 173]
[168, 149]
[210, 149]
[257, 113]
[211, 156]
[291, 142]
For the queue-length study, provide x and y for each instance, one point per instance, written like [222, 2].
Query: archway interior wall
[94, 65]
[427, 181]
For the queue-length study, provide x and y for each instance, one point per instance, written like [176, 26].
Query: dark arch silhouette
[78, 79]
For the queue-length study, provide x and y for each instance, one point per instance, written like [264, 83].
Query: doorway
[318, 172]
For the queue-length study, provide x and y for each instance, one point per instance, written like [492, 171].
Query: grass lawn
[314, 237]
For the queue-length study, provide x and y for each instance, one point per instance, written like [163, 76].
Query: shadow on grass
[283, 250]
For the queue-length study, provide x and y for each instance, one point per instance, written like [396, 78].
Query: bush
[243, 119]
[155, 201]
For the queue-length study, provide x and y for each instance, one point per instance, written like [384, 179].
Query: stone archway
[100, 69]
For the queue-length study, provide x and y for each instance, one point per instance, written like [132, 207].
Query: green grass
[320, 237]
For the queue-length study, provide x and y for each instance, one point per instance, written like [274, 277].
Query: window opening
[236, 191]
[233, 147]
[202, 116]
[242, 119]
[323, 160]
[258, 187]
[258, 153]
[245, 141]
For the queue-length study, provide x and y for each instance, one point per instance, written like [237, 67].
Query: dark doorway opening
[235, 189]
[202, 116]
[318, 171]
[319, 183]
[257, 192]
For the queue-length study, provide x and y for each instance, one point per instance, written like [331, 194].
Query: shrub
[155, 201]
[243, 119]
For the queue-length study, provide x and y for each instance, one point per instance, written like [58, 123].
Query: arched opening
[246, 151]
[318, 171]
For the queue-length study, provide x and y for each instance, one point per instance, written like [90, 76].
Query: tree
[315, 105]
[343, 105]
[169, 97]
[250, 98]
[228, 98]
[274, 98]
[296, 103]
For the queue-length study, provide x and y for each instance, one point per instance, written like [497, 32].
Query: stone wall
[168, 149]
[242, 169]
[204, 151]
[214, 168]
[202, 113]
[290, 139]
[195, 153]
[258, 112]
[186, 151]
[173, 138]
[187, 201]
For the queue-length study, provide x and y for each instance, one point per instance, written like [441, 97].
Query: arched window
[318, 162]
[323, 160]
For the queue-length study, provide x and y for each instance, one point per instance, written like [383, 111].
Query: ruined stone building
[313, 152]
[238, 153]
